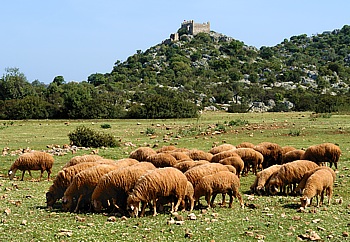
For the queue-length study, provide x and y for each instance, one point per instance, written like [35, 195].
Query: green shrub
[86, 137]
[106, 126]
[238, 122]
[150, 131]
[295, 132]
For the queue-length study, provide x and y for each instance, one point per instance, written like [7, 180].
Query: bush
[150, 131]
[238, 122]
[86, 137]
[106, 126]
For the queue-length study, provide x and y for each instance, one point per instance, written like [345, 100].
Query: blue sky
[76, 38]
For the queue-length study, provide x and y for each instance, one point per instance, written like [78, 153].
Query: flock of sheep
[150, 179]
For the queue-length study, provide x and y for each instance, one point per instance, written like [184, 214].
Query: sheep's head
[260, 190]
[11, 174]
[305, 201]
[97, 205]
[67, 204]
[133, 206]
[50, 200]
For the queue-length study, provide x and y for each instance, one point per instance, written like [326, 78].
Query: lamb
[319, 182]
[222, 155]
[326, 152]
[161, 182]
[306, 176]
[290, 174]
[250, 157]
[245, 145]
[83, 185]
[142, 153]
[196, 173]
[272, 153]
[262, 178]
[115, 186]
[292, 156]
[199, 155]
[236, 162]
[83, 158]
[221, 148]
[63, 180]
[162, 160]
[32, 161]
[187, 164]
[221, 182]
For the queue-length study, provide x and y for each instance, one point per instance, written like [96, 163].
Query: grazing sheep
[245, 145]
[162, 182]
[196, 173]
[272, 153]
[199, 155]
[286, 149]
[82, 158]
[290, 174]
[83, 185]
[63, 180]
[162, 160]
[32, 161]
[187, 164]
[231, 169]
[142, 153]
[168, 148]
[221, 182]
[306, 176]
[115, 186]
[236, 162]
[221, 148]
[326, 152]
[319, 182]
[262, 178]
[251, 158]
[125, 162]
[222, 155]
[180, 156]
[292, 156]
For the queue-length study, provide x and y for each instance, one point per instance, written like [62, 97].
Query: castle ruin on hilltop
[192, 28]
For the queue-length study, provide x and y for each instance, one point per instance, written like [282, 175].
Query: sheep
[161, 182]
[221, 148]
[116, 184]
[292, 156]
[221, 182]
[187, 164]
[83, 158]
[199, 155]
[162, 160]
[262, 178]
[236, 162]
[306, 176]
[32, 161]
[168, 148]
[290, 174]
[272, 153]
[63, 180]
[319, 182]
[286, 149]
[250, 157]
[222, 155]
[142, 153]
[125, 162]
[245, 145]
[326, 152]
[195, 173]
[180, 156]
[83, 185]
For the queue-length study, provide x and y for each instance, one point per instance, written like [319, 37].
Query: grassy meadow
[24, 216]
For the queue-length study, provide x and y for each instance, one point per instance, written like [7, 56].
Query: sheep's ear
[276, 189]
[10, 172]
[132, 207]
[307, 200]
[64, 200]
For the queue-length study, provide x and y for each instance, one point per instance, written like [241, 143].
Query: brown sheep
[186, 165]
[199, 155]
[236, 162]
[286, 149]
[245, 145]
[162, 160]
[316, 185]
[272, 153]
[290, 174]
[168, 148]
[83, 158]
[180, 156]
[262, 178]
[292, 156]
[63, 180]
[326, 152]
[32, 161]
[221, 182]
[115, 186]
[161, 182]
[196, 173]
[221, 148]
[306, 176]
[251, 158]
[142, 153]
[83, 185]
[125, 162]
[222, 155]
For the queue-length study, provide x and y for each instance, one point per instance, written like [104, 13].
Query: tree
[59, 80]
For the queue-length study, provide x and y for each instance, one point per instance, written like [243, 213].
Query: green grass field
[24, 216]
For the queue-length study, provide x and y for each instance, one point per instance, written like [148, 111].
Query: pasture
[24, 216]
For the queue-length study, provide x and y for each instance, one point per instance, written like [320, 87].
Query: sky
[77, 38]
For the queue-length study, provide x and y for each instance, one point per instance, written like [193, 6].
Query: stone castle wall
[195, 28]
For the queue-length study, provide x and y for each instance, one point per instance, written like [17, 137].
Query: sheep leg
[322, 197]
[191, 204]
[23, 174]
[143, 209]
[180, 198]
[207, 198]
[231, 199]
[213, 196]
[155, 207]
[78, 202]
[329, 194]
[223, 203]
